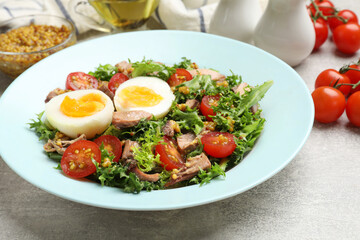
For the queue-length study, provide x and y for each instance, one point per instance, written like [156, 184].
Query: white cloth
[193, 15]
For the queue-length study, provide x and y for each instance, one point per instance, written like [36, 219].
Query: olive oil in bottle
[125, 14]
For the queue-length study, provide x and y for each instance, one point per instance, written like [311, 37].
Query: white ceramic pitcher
[236, 19]
[286, 30]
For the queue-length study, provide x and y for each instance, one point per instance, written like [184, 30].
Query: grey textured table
[317, 196]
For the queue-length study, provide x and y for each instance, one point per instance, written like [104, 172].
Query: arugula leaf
[197, 151]
[54, 156]
[105, 153]
[58, 167]
[185, 63]
[112, 130]
[104, 72]
[199, 86]
[254, 96]
[119, 176]
[151, 68]
[188, 120]
[233, 80]
[204, 176]
[232, 111]
[41, 129]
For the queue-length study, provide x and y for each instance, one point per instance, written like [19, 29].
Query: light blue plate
[287, 107]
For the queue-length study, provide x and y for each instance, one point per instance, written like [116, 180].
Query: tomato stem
[354, 85]
[319, 13]
[342, 19]
[346, 68]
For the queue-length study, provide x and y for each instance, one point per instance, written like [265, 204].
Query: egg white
[158, 85]
[75, 126]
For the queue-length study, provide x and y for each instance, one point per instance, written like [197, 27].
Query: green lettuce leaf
[104, 72]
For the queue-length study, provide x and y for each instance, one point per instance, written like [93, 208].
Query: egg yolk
[135, 96]
[87, 105]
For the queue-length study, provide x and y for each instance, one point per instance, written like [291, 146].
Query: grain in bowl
[26, 40]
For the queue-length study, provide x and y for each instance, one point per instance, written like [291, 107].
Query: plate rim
[176, 206]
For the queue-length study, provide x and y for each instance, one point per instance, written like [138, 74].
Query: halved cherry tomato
[206, 103]
[321, 32]
[329, 104]
[112, 144]
[353, 109]
[76, 161]
[169, 155]
[218, 144]
[80, 80]
[329, 77]
[346, 14]
[116, 81]
[354, 76]
[347, 38]
[181, 75]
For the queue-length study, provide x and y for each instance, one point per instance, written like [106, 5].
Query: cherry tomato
[329, 77]
[329, 104]
[321, 32]
[345, 14]
[80, 80]
[347, 38]
[354, 76]
[181, 75]
[169, 155]
[206, 103]
[325, 6]
[218, 144]
[116, 81]
[76, 161]
[112, 144]
[353, 109]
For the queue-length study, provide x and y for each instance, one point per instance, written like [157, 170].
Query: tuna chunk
[54, 93]
[60, 143]
[254, 108]
[105, 89]
[193, 166]
[145, 176]
[241, 88]
[216, 76]
[129, 118]
[192, 103]
[128, 149]
[170, 128]
[124, 67]
[187, 142]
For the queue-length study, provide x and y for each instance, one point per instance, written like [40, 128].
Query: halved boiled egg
[79, 112]
[149, 94]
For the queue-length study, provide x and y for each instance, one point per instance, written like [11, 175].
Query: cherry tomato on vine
[181, 75]
[353, 109]
[347, 38]
[329, 104]
[218, 144]
[116, 81]
[112, 144]
[329, 77]
[354, 76]
[80, 80]
[321, 32]
[76, 161]
[345, 14]
[325, 6]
